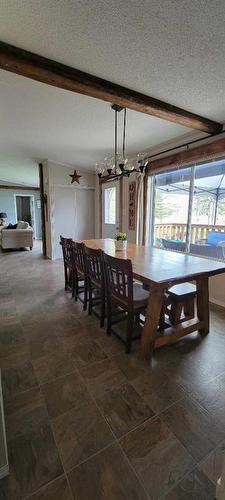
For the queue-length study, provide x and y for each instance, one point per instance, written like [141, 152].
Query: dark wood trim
[121, 205]
[100, 208]
[204, 152]
[20, 188]
[45, 70]
[43, 221]
[145, 209]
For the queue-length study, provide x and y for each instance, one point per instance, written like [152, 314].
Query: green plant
[121, 236]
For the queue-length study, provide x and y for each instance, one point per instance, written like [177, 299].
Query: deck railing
[174, 231]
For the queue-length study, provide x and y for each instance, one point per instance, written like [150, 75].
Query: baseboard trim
[217, 302]
[4, 463]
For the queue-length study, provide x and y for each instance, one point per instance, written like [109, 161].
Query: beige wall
[70, 206]
[217, 290]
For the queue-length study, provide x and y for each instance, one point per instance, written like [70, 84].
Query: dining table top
[155, 265]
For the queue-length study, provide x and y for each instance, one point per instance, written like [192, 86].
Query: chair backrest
[179, 246]
[95, 266]
[119, 279]
[66, 244]
[207, 251]
[79, 256]
[215, 237]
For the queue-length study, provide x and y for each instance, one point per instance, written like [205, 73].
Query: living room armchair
[20, 237]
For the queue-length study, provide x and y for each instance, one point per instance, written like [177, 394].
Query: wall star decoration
[75, 177]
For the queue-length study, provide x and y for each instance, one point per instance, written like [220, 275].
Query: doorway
[24, 206]
[110, 209]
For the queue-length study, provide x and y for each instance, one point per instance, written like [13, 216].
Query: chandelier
[119, 165]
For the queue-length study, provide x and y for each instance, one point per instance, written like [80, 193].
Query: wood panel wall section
[204, 152]
[121, 205]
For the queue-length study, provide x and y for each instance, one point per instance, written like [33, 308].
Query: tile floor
[85, 421]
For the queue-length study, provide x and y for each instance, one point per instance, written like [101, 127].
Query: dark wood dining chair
[81, 292]
[67, 262]
[96, 282]
[77, 279]
[123, 295]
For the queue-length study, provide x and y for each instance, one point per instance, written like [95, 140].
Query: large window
[110, 205]
[188, 210]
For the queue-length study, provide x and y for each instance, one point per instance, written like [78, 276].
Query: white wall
[71, 210]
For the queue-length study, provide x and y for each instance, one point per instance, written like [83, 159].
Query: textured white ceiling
[44, 122]
[170, 49]
[19, 171]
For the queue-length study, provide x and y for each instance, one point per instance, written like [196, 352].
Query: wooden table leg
[203, 303]
[151, 321]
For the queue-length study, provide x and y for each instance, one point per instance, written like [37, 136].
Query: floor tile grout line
[180, 481]
[27, 497]
[196, 463]
[38, 386]
[211, 453]
[138, 426]
[116, 441]
[90, 457]
[174, 403]
[56, 445]
[208, 381]
[204, 410]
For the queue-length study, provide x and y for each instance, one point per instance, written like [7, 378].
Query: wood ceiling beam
[45, 70]
[19, 188]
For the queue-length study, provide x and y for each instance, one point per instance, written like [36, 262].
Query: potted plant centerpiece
[121, 241]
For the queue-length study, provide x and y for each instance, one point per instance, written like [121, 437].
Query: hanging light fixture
[119, 165]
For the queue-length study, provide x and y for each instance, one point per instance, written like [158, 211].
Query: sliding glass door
[187, 210]
[171, 205]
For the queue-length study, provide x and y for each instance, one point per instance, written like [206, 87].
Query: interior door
[23, 208]
[110, 209]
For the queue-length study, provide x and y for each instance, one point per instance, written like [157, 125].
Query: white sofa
[20, 237]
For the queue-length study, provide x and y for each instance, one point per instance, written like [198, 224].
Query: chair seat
[182, 291]
[140, 296]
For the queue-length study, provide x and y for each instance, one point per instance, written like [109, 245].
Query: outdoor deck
[174, 231]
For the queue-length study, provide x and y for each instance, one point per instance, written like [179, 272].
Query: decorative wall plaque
[132, 205]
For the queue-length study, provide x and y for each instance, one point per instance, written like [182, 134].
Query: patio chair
[179, 246]
[215, 252]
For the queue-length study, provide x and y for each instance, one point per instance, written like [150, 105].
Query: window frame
[106, 211]
[150, 204]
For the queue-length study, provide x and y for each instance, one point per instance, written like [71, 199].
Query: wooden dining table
[159, 270]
